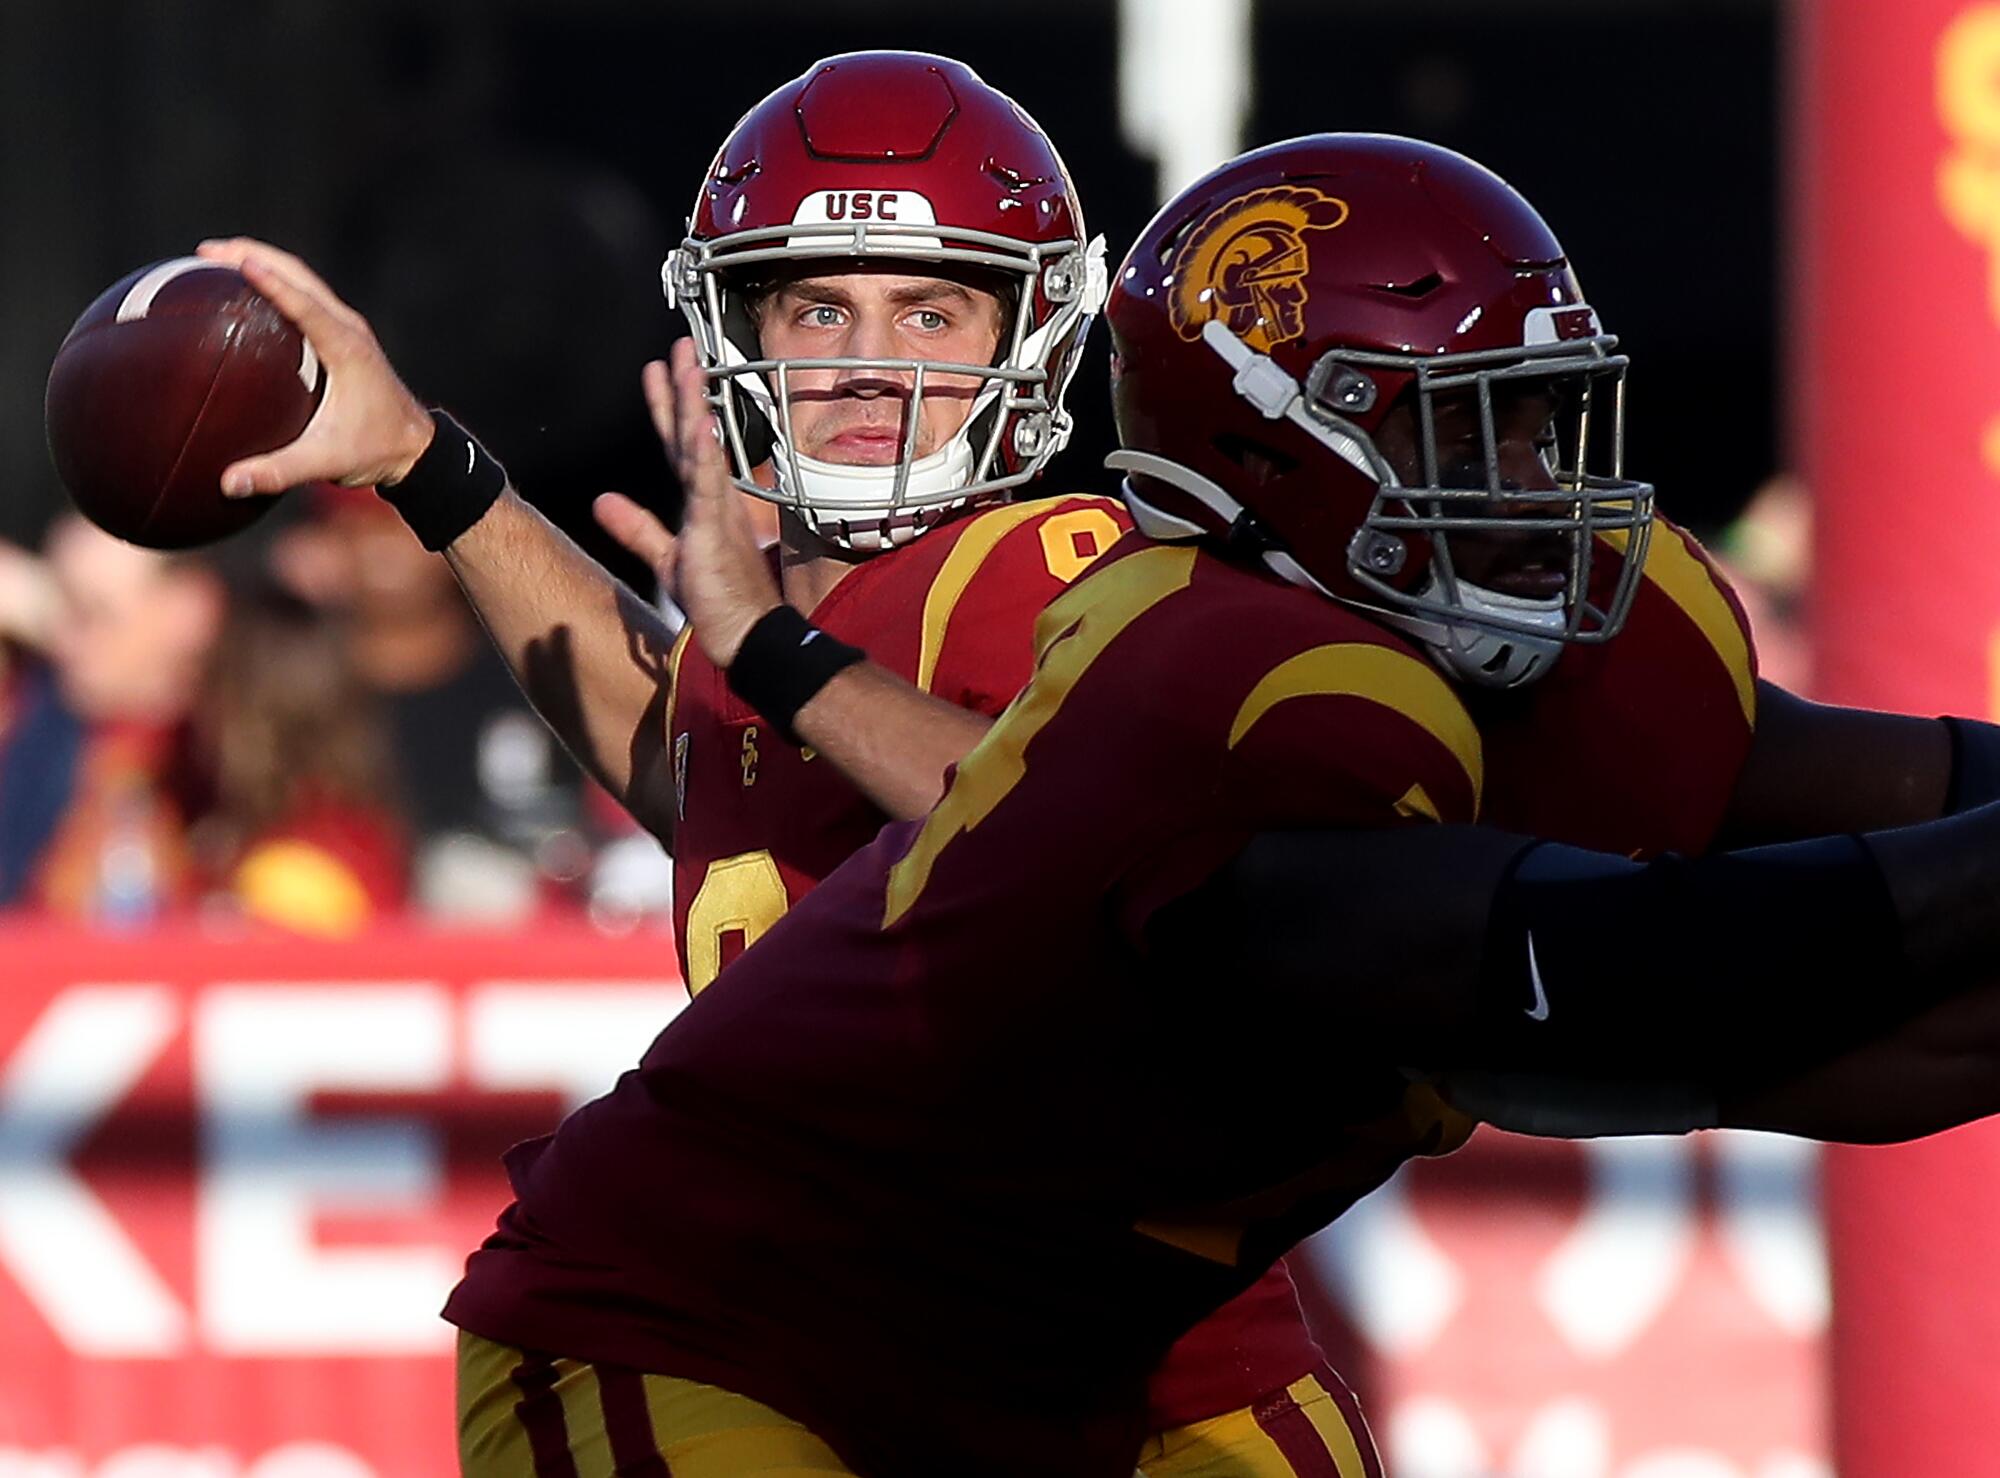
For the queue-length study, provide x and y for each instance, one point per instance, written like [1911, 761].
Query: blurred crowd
[308, 731]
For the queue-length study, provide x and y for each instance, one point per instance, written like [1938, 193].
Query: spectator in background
[493, 800]
[96, 783]
[302, 831]
[33, 721]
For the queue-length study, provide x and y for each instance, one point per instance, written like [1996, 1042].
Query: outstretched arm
[1814, 768]
[1573, 992]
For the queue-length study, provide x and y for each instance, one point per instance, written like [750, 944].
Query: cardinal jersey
[947, 1163]
[761, 821]
[1632, 747]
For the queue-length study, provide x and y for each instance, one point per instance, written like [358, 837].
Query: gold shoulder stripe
[981, 535]
[1688, 583]
[984, 532]
[1395, 680]
[674, 680]
[1070, 635]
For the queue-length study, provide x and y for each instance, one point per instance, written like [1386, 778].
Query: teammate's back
[928, 1174]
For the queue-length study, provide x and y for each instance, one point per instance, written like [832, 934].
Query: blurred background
[495, 185]
[304, 731]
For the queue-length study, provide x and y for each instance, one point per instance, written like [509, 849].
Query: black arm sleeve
[1463, 948]
[1975, 764]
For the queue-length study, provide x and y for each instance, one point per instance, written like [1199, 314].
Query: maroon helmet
[1272, 316]
[902, 156]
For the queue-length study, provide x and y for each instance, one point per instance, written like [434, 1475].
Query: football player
[1028, 1087]
[888, 280]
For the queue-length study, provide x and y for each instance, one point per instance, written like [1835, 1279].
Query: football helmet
[901, 156]
[1277, 312]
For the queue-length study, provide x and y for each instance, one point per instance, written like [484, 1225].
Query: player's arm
[894, 741]
[1710, 984]
[590, 655]
[891, 739]
[1814, 768]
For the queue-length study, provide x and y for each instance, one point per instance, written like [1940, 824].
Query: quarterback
[928, 1175]
[888, 280]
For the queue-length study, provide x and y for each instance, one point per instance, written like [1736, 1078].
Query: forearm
[590, 655]
[1936, 1072]
[891, 739]
[1459, 948]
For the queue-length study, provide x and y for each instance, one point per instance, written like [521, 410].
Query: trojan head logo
[1245, 265]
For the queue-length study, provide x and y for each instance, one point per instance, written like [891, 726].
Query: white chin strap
[865, 499]
[1486, 658]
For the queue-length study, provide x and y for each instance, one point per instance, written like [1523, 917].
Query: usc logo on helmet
[1246, 265]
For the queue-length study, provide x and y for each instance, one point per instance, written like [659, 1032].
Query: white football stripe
[308, 365]
[139, 299]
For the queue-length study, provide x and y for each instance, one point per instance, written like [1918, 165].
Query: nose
[1523, 470]
[872, 337]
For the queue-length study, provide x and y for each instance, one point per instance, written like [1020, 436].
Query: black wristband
[783, 662]
[450, 488]
[1975, 764]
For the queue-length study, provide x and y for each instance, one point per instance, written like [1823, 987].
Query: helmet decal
[1246, 265]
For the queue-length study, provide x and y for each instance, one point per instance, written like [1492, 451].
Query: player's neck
[808, 566]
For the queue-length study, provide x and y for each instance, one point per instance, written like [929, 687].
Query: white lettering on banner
[1620, 1264]
[575, 1037]
[65, 1249]
[156, 1460]
[268, 1169]
[1570, 1437]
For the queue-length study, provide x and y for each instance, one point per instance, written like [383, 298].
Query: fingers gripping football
[369, 428]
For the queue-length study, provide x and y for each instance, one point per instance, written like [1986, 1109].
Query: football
[175, 372]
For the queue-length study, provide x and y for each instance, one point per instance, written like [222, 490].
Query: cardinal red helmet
[902, 156]
[1273, 315]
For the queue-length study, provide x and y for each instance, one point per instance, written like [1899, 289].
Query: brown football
[172, 374]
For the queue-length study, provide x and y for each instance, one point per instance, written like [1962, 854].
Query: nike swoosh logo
[809, 638]
[1540, 1010]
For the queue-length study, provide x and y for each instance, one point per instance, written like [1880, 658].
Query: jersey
[760, 821]
[950, 1161]
[1634, 746]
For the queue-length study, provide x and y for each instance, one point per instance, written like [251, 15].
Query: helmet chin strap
[1480, 656]
[838, 492]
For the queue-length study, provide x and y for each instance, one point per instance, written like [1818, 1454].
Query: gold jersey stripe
[949, 584]
[1330, 1422]
[1673, 566]
[1417, 801]
[674, 679]
[1077, 626]
[1395, 680]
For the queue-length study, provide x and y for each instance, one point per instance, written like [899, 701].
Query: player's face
[856, 416]
[1524, 425]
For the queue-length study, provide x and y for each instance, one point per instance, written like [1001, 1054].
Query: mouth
[864, 446]
[1531, 567]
